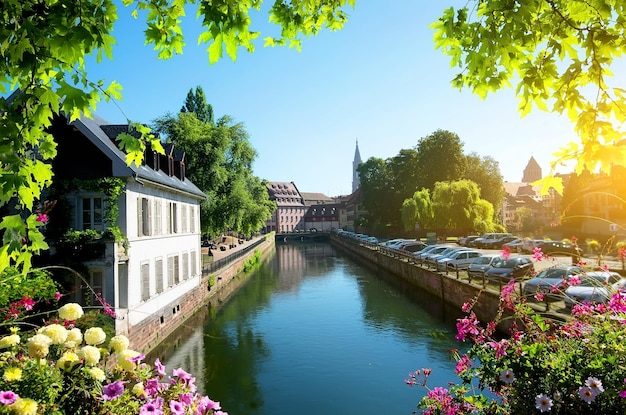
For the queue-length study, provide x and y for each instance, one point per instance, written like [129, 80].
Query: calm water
[312, 332]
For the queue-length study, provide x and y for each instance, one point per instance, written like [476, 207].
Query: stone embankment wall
[146, 336]
[447, 287]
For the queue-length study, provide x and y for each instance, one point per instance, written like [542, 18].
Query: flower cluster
[543, 365]
[59, 369]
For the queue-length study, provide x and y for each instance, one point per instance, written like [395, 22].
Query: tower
[356, 182]
[532, 172]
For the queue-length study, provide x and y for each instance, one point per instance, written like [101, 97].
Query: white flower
[95, 336]
[119, 343]
[543, 403]
[56, 332]
[71, 312]
[90, 354]
[507, 376]
[38, 345]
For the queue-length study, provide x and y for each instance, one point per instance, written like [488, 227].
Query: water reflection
[311, 331]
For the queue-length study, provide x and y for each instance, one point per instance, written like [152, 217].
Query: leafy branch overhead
[43, 55]
[558, 55]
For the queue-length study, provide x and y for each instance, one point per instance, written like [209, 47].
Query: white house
[159, 213]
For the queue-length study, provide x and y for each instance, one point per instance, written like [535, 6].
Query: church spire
[356, 182]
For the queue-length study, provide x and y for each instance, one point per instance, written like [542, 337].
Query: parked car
[549, 282]
[486, 239]
[412, 246]
[437, 249]
[465, 240]
[481, 264]
[397, 243]
[555, 248]
[433, 257]
[425, 251]
[594, 287]
[390, 242]
[497, 243]
[458, 260]
[372, 239]
[511, 268]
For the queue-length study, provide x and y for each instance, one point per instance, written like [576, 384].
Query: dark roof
[102, 135]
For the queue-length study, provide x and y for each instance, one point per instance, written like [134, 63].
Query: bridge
[302, 237]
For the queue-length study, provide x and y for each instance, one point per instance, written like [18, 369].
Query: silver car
[594, 287]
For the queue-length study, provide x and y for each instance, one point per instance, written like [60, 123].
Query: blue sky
[380, 81]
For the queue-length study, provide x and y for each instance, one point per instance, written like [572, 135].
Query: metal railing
[210, 267]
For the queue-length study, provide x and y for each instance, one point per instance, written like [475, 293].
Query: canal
[313, 332]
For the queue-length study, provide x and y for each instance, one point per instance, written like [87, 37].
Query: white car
[458, 260]
[594, 287]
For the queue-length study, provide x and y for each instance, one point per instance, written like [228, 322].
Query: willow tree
[558, 55]
[43, 54]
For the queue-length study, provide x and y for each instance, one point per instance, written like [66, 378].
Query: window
[194, 265]
[143, 216]
[96, 282]
[185, 266]
[92, 213]
[173, 277]
[145, 281]
[183, 218]
[158, 275]
[158, 221]
[192, 219]
[171, 218]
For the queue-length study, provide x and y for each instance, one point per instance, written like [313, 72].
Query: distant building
[356, 182]
[525, 206]
[311, 199]
[290, 208]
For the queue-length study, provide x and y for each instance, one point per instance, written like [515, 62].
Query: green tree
[558, 55]
[485, 172]
[417, 210]
[405, 172]
[44, 50]
[457, 205]
[379, 196]
[439, 159]
[196, 102]
[219, 162]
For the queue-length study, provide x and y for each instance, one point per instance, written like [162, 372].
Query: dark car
[481, 264]
[550, 281]
[465, 241]
[512, 268]
[412, 246]
[555, 248]
[498, 243]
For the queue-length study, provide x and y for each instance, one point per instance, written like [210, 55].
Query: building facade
[159, 261]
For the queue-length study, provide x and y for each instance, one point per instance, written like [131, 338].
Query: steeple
[532, 172]
[356, 182]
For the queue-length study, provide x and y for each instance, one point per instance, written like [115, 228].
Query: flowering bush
[573, 367]
[59, 369]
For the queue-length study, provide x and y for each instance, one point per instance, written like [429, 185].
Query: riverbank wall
[449, 287]
[216, 285]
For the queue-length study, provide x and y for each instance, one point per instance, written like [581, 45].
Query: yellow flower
[12, 373]
[90, 354]
[138, 390]
[68, 360]
[75, 335]
[71, 312]
[119, 343]
[96, 373]
[24, 406]
[38, 345]
[123, 359]
[95, 336]
[56, 332]
[9, 341]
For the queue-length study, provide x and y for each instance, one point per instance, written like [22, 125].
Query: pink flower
[500, 347]
[177, 408]
[466, 307]
[537, 254]
[28, 303]
[8, 397]
[574, 280]
[42, 217]
[57, 296]
[467, 326]
[112, 390]
[463, 364]
[506, 253]
[538, 297]
[159, 367]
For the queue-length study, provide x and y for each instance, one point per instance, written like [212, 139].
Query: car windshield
[593, 281]
[505, 263]
[552, 273]
[482, 260]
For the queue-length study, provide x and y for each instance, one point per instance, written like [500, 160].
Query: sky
[379, 81]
